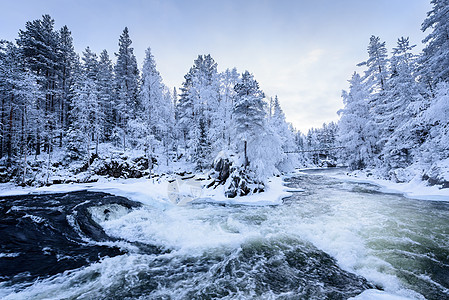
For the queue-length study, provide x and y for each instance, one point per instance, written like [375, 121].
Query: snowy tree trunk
[96, 144]
[25, 143]
[9, 138]
[245, 146]
[48, 161]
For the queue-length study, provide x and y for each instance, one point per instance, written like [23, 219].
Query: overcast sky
[304, 51]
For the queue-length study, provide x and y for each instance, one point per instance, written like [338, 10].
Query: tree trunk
[25, 145]
[124, 140]
[96, 145]
[9, 138]
[245, 143]
[3, 129]
[38, 143]
[48, 162]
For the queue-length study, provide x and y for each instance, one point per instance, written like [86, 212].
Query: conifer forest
[119, 182]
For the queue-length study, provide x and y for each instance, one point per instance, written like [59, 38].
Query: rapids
[333, 240]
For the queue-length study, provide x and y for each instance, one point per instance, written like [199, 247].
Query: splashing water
[332, 241]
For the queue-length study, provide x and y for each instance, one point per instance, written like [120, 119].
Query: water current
[333, 240]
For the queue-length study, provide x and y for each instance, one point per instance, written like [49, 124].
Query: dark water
[332, 241]
[43, 235]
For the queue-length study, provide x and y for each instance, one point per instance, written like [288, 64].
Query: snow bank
[165, 191]
[415, 189]
[275, 191]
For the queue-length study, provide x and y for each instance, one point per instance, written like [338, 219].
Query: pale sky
[304, 51]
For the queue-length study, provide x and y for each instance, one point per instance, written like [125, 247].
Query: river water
[333, 240]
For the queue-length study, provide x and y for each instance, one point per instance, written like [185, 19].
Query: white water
[393, 242]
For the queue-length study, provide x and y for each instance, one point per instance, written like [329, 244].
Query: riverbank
[415, 189]
[164, 190]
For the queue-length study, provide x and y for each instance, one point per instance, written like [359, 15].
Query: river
[333, 240]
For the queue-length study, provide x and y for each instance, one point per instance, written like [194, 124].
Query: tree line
[55, 102]
[396, 114]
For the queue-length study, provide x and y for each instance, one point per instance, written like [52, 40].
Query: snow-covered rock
[438, 174]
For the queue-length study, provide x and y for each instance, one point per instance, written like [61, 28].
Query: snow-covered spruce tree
[200, 98]
[27, 91]
[87, 114]
[301, 147]
[403, 99]
[90, 64]
[254, 139]
[105, 85]
[374, 79]
[377, 71]
[356, 126]
[312, 144]
[126, 85]
[67, 60]
[248, 112]
[320, 145]
[38, 44]
[158, 112]
[229, 78]
[280, 126]
[435, 58]
[10, 70]
[20, 119]
[327, 139]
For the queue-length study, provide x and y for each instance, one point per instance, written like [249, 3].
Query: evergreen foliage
[394, 120]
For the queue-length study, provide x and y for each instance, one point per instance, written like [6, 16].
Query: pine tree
[202, 147]
[377, 72]
[105, 85]
[87, 114]
[87, 119]
[435, 58]
[403, 94]
[435, 146]
[375, 79]
[66, 61]
[356, 126]
[248, 112]
[19, 117]
[200, 98]
[152, 100]
[283, 130]
[229, 78]
[126, 83]
[39, 46]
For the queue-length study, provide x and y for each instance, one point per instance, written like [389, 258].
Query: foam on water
[236, 252]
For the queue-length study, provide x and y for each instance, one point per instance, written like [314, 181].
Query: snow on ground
[415, 189]
[275, 191]
[163, 191]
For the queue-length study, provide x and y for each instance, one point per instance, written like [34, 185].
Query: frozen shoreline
[165, 190]
[161, 189]
[415, 189]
